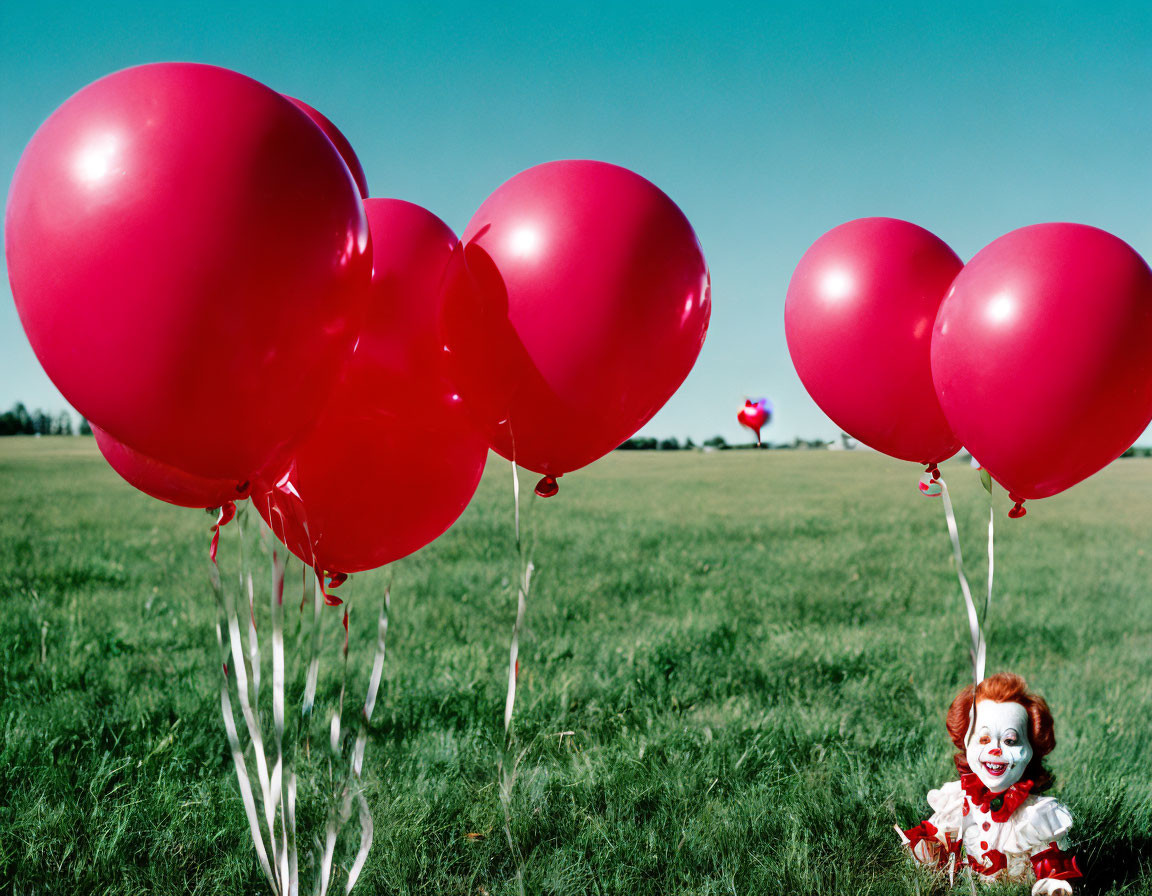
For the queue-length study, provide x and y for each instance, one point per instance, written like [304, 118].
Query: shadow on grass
[1115, 864]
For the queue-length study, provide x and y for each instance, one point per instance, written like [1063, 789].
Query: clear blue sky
[767, 123]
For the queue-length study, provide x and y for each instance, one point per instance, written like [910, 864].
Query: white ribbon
[979, 648]
[283, 774]
[366, 827]
[508, 768]
[274, 834]
[224, 623]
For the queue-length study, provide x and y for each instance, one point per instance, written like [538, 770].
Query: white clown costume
[1007, 836]
[990, 820]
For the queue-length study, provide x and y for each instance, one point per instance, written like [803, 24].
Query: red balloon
[575, 306]
[164, 482]
[190, 260]
[1041, 355]
[753, 416]
[858, 319]
[339, 141]
[394, 460]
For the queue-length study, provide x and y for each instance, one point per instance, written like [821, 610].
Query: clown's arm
[1045, 828]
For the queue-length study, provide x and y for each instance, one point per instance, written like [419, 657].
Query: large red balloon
[341, 143]
[575, 306]
[164, 482]
[1041, 355]
[394, 460]
[858, 319]
[190, 260]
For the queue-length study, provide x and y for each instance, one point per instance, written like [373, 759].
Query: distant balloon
[755, 414]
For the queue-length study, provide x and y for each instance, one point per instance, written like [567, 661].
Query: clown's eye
[985, 739]
[1011, 741]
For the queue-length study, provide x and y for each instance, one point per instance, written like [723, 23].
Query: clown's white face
[998, 749]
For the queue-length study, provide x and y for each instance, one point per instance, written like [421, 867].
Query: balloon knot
[227, 513]
[330, 600]
[336, 579]
[1017, 510]
[547, 487]
[934, 470]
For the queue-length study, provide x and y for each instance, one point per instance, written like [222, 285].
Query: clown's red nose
[995, 751]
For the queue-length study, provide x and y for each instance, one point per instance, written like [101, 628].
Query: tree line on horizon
[719, 443]
[19, 421]
[716, 443]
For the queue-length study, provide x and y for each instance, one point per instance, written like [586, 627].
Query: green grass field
[753, 652]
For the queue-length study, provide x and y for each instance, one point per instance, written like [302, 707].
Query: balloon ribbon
[507, 763]
[978, 649]
[270, 801]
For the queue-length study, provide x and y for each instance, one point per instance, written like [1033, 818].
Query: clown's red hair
[1004, 687]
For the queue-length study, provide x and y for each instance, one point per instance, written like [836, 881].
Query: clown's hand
[1054, 868]
[924, 843]
[927, 853]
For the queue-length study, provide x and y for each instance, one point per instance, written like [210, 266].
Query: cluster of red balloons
[1033, 355]
[199, 271]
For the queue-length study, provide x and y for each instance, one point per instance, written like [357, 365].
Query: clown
[992, 818]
